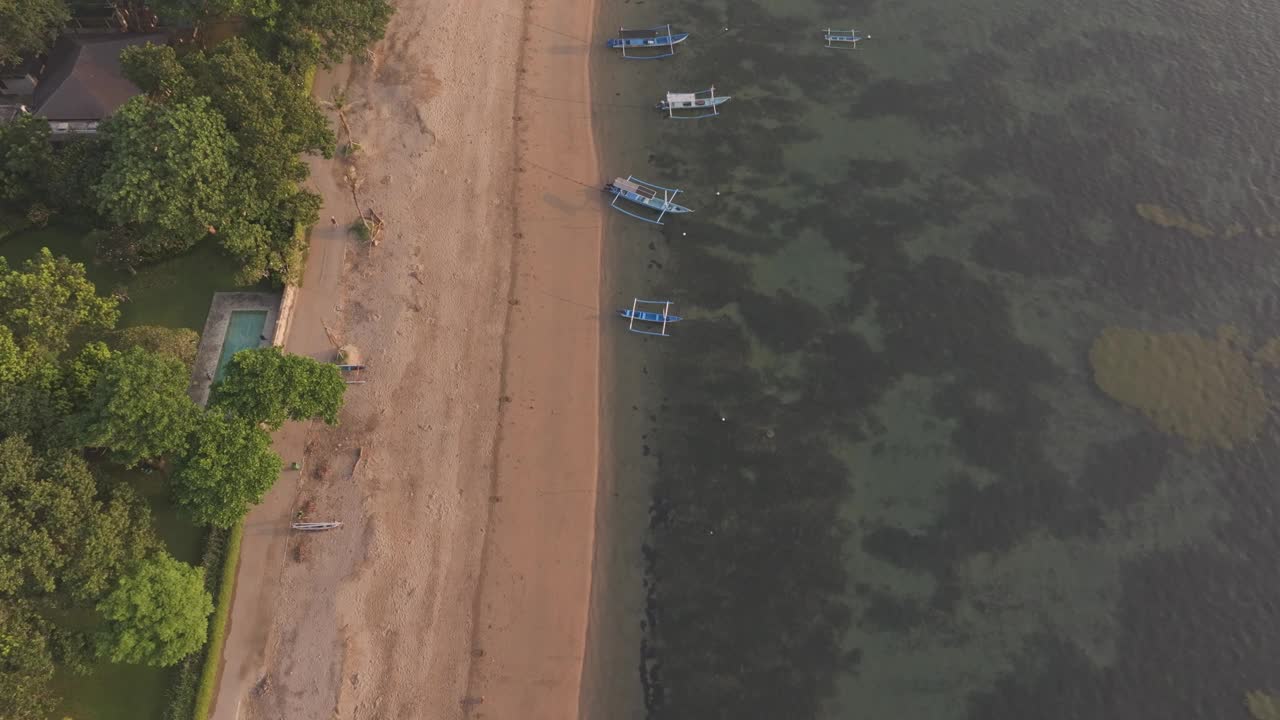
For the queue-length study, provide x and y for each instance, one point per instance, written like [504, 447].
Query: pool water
[244, 331]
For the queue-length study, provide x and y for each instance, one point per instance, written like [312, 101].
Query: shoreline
[532, 602]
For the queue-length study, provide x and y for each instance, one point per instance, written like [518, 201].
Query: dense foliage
[167, 174]
[140, 409]
[230, 467]
[28, 27]
[267, 386]
[157, 614]
[211, 150]
[26, 156]
[65, 538]
[307, 32]
[41, 307]
[26, 663]
[272, 120]
[61, 535]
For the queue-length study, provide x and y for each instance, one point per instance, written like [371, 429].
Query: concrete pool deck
[215, 332]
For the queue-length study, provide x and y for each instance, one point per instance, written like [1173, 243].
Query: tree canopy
[157, 614]
[140, 408]
[29, 27]
[201, 9]
[26, 157]
[305, 32]
[26, 664]
[272, 120]
[167, 174]
[230, 467]
[41, 306]
[56, 534]
[267, 386]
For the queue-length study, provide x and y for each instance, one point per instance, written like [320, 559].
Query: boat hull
[649, 42]
[651, 203]
[851, 37]
[648, 316]
[693, 105]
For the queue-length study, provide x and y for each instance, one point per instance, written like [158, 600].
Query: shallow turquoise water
[885, 481]
[244, 331]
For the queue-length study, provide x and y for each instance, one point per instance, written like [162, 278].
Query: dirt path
[459, 584]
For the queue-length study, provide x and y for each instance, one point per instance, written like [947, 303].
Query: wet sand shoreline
[532, 601]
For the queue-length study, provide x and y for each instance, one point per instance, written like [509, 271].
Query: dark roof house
[82, 81]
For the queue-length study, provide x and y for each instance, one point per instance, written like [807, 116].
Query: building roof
[82, 79]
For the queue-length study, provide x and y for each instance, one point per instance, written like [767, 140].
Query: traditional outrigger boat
[647, 43]
[654, 197]
[634, 314]
[843, 39]
[694, 105]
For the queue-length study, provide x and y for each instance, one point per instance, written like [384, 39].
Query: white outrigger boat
[843, 39]
[647, 43]
[654, 197]
[663, 318]
[694, 105]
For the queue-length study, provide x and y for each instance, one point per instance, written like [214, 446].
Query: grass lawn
[133, 692]
[174, 293]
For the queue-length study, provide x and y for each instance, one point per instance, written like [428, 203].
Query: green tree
[178, 343]
[197, 10]
[36, 406]
[157, 614]
[167, 174]
[267, 386]
[29, 27]
[80, 374]
[56, 535]
[41, 306]
[43, 404]
[78, 163]
[26, 664]
[26, 156]
[273, 119]
[306, 32]
[230, 467]
[140, 408]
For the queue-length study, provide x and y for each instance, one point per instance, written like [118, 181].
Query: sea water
[971, 412]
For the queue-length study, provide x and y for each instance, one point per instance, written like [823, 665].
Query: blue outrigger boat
[634, 314]
[694, 105]
[647, 43]
[655, 197]
[843, 39]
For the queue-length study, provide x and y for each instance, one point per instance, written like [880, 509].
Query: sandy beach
[465, 470]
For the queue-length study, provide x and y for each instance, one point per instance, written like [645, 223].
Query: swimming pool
[244, 331]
